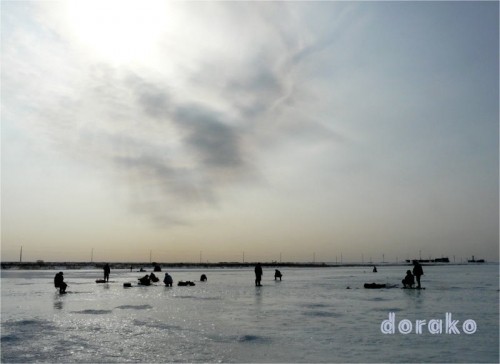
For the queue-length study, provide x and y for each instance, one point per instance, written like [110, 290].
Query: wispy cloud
[176, 144]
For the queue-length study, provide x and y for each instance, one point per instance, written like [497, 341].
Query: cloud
[181, 137]
[154, 99]
[215, 143]
[170, 153]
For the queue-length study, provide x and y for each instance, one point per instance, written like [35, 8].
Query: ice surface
[310, 316]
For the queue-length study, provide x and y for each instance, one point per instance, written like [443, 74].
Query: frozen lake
[310, 316]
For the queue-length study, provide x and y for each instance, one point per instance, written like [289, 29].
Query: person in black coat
[107, 270]
[277, 274]
[59, 282]
[145, 281]
[258, 274]
[408, 281]
[417, 272]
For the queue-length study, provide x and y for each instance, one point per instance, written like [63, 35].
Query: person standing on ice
[417, 272]
[107, 270]
[258, 275]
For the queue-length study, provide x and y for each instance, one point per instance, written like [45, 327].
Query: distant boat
[437, 260]
[475, 261]
[442, 260]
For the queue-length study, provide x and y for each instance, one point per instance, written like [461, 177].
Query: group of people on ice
[168, 280]
[258, 275]
[409, 280]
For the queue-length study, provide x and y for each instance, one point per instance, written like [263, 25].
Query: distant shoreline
[147, 265]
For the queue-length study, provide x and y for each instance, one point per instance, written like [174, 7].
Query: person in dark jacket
[154, 278]
[417, 272]
[168, 280]
[408, 281]
[258, 274]
[59, 282]
[145, 281]
[277, 274]
[107, 270]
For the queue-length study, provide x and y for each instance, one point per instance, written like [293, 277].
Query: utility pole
[92, 255]
[243, 257]
[21, 255]
[150, 256]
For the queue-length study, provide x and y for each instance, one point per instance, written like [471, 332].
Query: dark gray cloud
[168, 152]
[186, 152]
[154, 99]
[205, 132]
[156, 180]
[216, 144]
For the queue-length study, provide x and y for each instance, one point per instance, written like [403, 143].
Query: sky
[249, 131]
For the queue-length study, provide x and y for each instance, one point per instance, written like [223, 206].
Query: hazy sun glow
[120, 31]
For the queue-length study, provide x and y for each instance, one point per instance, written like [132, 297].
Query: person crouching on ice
[144, 281]
[168, 280]
[277, 274]
[153, 278]
[59, 282]
[408, 281]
